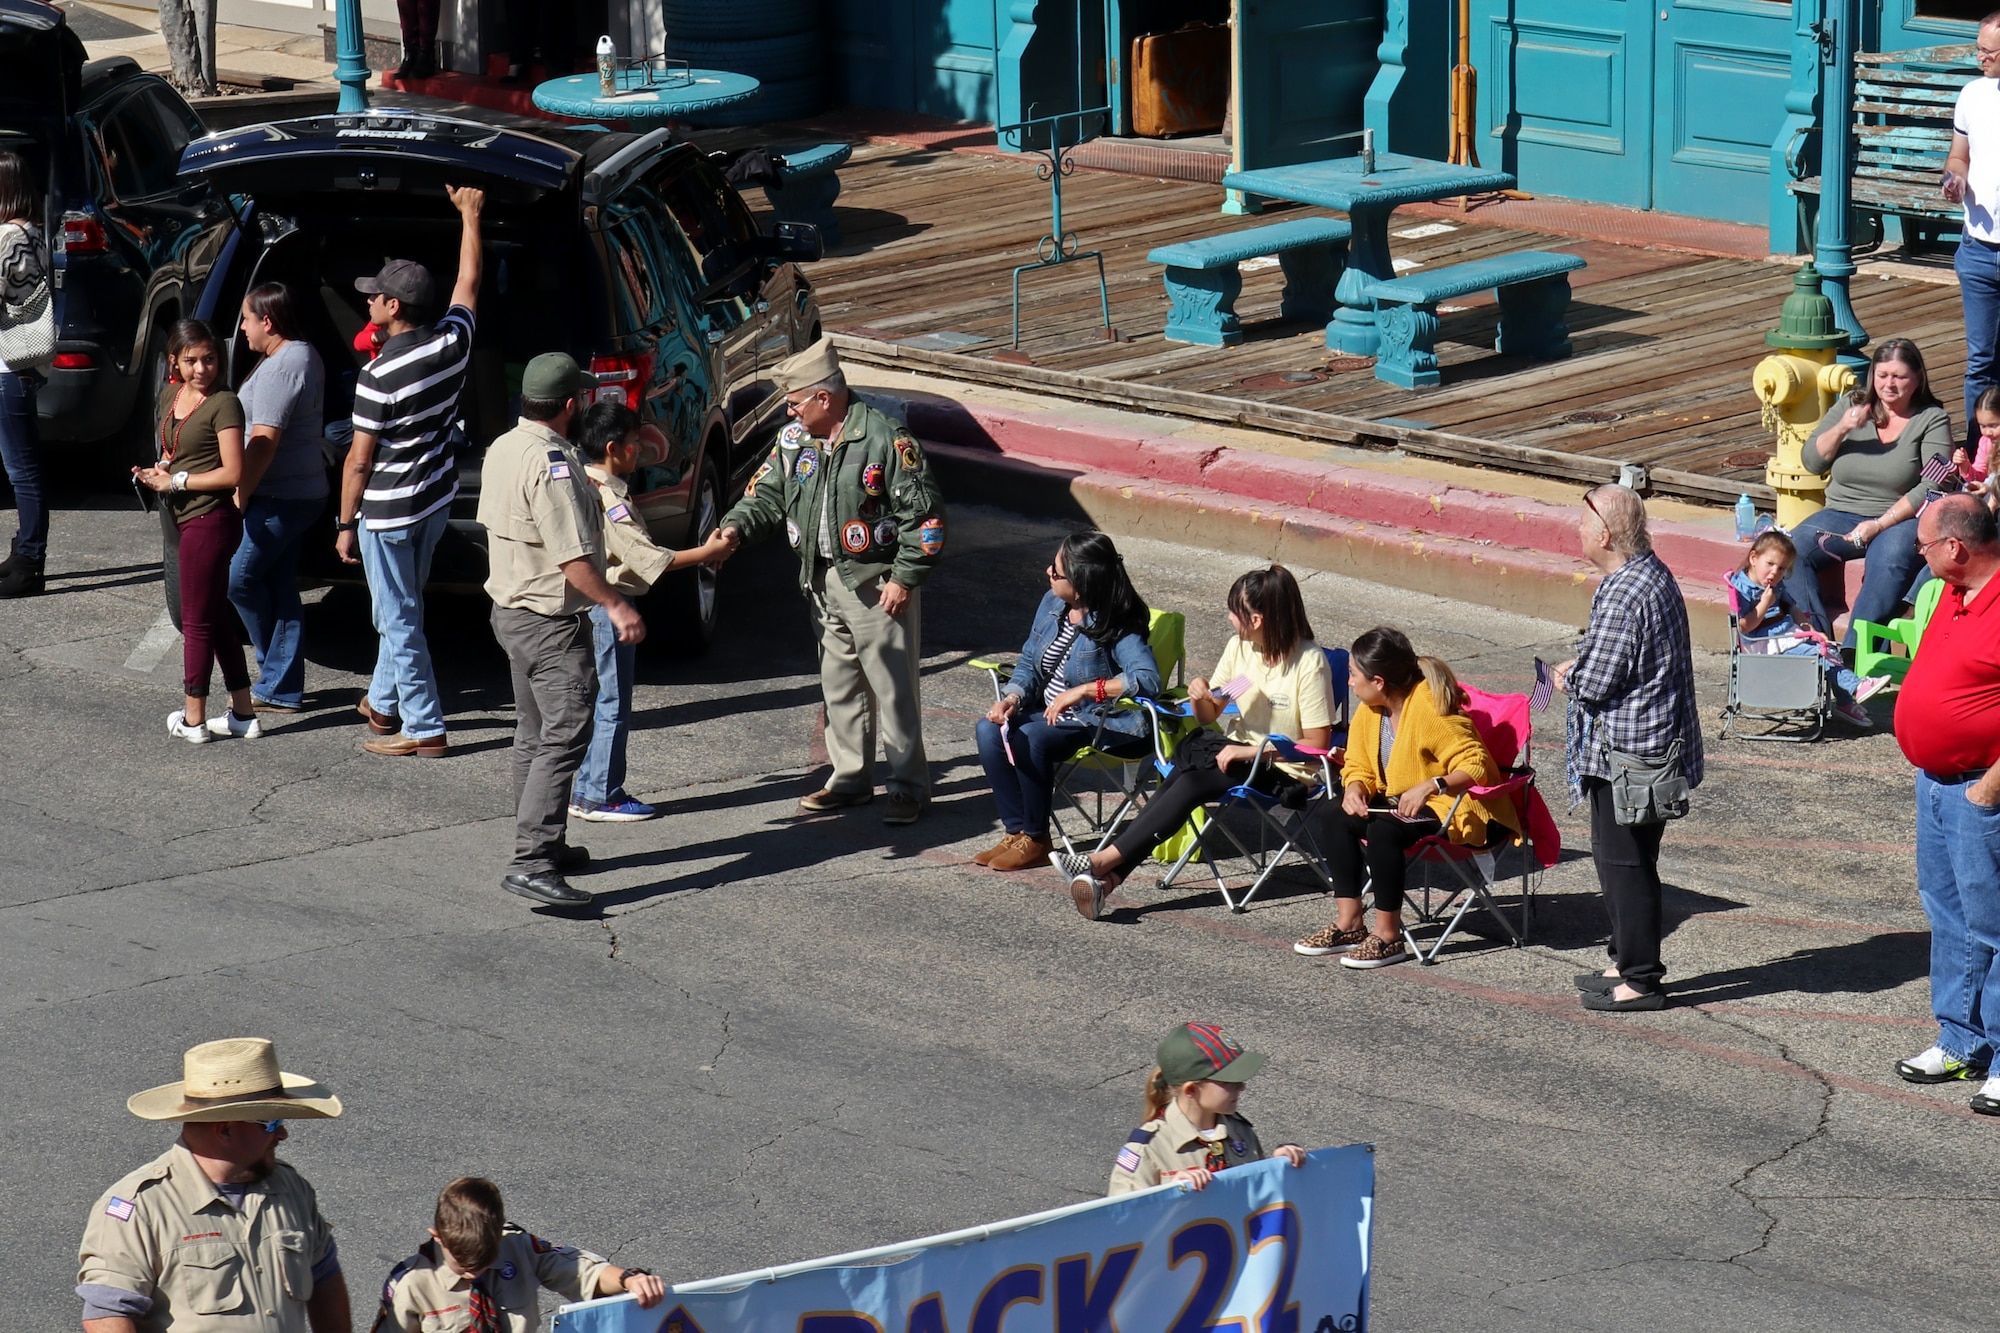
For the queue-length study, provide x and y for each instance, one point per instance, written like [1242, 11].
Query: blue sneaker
[624, 810]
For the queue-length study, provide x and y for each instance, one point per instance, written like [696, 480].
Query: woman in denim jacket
[1086, 649]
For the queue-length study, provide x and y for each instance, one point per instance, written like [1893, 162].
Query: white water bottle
[607, 66]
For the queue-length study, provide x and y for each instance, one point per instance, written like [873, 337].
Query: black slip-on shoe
[1608, 1003]
[1596, 983]
[546, 887]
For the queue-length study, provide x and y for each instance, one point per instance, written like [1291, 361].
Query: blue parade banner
[1266, 1248]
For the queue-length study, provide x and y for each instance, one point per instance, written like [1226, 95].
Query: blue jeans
[398, 564]
[264, 589]
[1891, 562]
[1978, 265]
[20, 436]
[1025, 788]
[1958, 879]
[602, 777]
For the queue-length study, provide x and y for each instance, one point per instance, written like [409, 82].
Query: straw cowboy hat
[236, 1079]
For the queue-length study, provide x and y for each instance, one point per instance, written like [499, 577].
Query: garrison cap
[815, 365]
[1196, 1051]
[554, 377]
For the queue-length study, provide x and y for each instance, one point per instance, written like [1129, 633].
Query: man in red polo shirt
[1948, 723]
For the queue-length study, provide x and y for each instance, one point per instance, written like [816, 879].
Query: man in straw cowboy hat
[217, 1235]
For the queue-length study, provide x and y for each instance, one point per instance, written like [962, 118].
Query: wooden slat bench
[1903, 102]
[808, 183]
[1533, 286]
[1203, 280]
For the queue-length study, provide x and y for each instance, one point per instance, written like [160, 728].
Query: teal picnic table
[646, 95]
[1368, 198]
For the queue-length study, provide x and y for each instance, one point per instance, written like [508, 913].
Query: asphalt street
[782, 1038]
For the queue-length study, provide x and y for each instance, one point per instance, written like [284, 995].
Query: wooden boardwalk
[1664, 341]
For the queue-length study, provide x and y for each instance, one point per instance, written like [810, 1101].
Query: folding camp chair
[1282, 828]
[1506, 730]
[1887, 650]
[1782, 693]
[1103, 789]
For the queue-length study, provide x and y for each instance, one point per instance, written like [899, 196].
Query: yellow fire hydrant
[1797, 385]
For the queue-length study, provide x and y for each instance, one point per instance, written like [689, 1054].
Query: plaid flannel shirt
[1632, 687]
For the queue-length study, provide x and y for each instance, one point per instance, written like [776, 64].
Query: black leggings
[1195, 782]
[1350, 861]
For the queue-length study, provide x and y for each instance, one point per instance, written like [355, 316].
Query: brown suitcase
[1180, 81]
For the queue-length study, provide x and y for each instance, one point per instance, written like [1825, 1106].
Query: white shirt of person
[1977, 117]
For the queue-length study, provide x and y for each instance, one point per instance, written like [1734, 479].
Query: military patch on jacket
[122, 1209]
[931, 536]
[871, 479]
[792, 532]
[750, 491]
[906, 449]
[1128, 1158]
[854, 536]
[559, 472]
[886, 532]
[619, 512]
[807, 465]
[792, 436]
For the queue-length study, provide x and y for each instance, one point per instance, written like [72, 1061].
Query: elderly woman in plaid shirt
[1631, 688]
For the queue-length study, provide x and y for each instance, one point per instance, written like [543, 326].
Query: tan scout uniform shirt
[633, 561]
[539, 514]
[424, 1294]
[165, 1232]
[1172, 1143]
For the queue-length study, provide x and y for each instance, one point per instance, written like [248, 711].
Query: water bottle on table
[607, 66]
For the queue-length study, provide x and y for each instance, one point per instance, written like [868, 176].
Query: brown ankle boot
[1027, 853]
[986, 857]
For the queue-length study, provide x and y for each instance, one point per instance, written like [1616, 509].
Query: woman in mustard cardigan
[1410, 752]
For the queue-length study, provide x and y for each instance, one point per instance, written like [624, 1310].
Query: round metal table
[676, 95]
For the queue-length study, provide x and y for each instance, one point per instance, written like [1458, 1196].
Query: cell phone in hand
[1951, 185]
[144, 493]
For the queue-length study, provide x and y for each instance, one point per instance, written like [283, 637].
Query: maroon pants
[208, 622]
[420, 25]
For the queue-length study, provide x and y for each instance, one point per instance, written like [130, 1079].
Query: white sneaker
[243, 728]
[177, 725]
[1869, 687]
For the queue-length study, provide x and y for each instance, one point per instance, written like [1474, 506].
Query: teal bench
[1203, 281]
[1534, 299]
[807, 185]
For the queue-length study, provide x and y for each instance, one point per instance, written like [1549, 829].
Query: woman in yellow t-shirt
[1282, 686]
[1411, 752]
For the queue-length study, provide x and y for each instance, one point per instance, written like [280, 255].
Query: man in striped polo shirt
[401, 475]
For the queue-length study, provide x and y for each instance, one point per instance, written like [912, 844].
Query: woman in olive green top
[1872, 452]
[200, 445]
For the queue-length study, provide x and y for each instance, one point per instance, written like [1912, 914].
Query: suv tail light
[622, 378]
[83, 234]
[73, 361]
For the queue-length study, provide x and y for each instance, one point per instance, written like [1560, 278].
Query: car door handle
[763, 307]
[715, 337]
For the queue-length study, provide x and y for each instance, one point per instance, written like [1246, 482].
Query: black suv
[630, 252]
[132, 243]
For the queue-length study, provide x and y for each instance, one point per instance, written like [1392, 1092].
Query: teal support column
[350, 68]
[1797, 144]
[1409, 100]
[1834, 255]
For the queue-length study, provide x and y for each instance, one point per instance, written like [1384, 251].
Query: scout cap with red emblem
[1196, 1051]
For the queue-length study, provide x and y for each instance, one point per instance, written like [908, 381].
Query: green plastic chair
[1887, 650]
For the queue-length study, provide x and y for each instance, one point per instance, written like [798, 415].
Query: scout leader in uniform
[217, 1235]
[858, 504]
[1192, 1129]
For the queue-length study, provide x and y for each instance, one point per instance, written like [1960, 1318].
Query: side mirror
[796, 241]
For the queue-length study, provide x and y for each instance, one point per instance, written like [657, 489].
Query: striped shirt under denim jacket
[1131, 657]
[407, 398]
[1632, 688]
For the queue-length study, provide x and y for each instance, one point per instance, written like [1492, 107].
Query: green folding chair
[1887, 650]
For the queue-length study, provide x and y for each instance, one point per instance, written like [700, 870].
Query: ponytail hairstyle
[1115, 608]
[1386, 654]
[1445, 689]
[1273, 594]
[1159, 1094]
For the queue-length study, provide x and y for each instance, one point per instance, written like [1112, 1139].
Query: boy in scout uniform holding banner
[855, 498]
[217, 1235]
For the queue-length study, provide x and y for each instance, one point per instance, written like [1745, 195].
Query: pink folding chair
[1505, 727]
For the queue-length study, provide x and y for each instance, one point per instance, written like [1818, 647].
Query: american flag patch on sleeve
[122, 1209]
[618, 513]
[1128, 1159]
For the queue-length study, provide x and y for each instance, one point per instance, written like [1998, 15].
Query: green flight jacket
[886, 516]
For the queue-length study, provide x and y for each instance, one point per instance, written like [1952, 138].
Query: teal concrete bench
[1204, 282]
[808, 185]
[1534, 298]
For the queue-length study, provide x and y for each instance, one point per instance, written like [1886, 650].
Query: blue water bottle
[1746, 518]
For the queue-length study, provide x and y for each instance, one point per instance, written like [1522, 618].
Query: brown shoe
[1026, 853]
[986, 857]
[903, 809]
[826, 798]
[382, 724]
[430, 747]
[266, 706]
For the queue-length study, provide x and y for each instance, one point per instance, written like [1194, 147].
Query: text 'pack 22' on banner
[1266, 1248]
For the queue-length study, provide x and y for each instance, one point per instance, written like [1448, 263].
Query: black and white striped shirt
[407, 397]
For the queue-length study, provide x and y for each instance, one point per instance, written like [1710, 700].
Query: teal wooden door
[1667, 104]
[937, 57]
[1302, 70]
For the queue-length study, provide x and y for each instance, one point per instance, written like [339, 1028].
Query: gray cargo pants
[555, 694]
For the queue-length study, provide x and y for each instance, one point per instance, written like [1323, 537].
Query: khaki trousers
[870, 678]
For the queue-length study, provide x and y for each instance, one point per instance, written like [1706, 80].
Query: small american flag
[1936, 468]
[1235, 689]
[1128, 1160]
[1545, 687]
[122, 1209]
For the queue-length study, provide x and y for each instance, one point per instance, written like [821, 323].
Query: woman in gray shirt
[1872, 452]
[282, 494]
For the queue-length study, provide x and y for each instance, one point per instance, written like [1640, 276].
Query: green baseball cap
[555, 376]
[1196, 1051]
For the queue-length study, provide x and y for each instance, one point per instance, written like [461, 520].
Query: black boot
[23, 577]
[13, 558]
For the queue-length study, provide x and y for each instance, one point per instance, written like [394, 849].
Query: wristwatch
[631, 1273]
[1442, 789]
[350, 525]
[180, 481]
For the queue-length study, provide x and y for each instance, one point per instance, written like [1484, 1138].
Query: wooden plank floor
[1665, 342]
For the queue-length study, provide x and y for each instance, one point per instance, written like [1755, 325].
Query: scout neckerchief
[486, 1316]
[1217, 1158]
